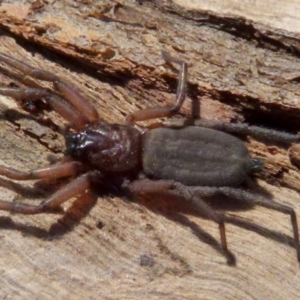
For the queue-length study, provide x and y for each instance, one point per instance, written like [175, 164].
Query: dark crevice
[267, 115]
[239, 27]
[78, 65]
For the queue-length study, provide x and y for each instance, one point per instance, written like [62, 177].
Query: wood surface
[243, 67]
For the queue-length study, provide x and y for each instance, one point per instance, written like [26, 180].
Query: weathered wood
[240, 70]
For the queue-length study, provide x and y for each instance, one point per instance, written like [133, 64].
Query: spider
[194, 162]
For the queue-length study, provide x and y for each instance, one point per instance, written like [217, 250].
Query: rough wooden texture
[274, 13]
[240, 71]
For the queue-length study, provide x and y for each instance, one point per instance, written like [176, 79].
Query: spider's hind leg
[146, 186]
[244, 196]
[260, 133]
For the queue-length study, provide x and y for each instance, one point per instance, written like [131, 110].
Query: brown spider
[193, 162]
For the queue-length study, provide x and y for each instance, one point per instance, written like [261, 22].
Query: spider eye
[85, 143]
[71, 143]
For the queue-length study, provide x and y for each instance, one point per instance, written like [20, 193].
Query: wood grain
[107, 247]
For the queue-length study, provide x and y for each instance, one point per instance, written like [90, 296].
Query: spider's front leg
[75, 187]
[63, 108]
[59, 170]
[76, 109]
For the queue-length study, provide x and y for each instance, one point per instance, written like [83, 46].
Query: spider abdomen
[195, 156]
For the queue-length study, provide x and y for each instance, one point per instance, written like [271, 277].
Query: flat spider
[194, 162]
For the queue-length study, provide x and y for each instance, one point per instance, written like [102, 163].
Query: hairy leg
[147, 186]
[244, 196]
[263, 134]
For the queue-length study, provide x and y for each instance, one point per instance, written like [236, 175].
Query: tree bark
[243, 67]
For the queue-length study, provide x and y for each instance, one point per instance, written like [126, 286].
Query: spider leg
[147, 186]
[263, 134]
[58, 170]
[71, 94]
[75, 187]
[57, 103]
[159, 112]
[244, 196]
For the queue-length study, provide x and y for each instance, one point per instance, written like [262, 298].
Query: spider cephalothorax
[106, 147]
